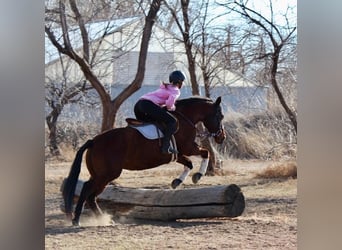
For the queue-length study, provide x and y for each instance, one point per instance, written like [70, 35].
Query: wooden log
[168, 204]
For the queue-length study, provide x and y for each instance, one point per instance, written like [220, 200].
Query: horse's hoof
[68, 216]
[175, 183]
[62, 207]
[196, 177]
[75, 223]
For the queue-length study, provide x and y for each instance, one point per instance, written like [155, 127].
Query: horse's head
[213, 122]
[195, 109]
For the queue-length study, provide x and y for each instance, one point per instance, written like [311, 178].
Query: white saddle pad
[149, 131]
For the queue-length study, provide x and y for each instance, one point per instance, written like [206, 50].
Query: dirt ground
[268, 222]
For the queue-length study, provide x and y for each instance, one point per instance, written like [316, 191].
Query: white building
[117, 60]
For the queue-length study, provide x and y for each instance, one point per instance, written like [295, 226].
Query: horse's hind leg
[91, 201]
[87, 190]
[90, 190]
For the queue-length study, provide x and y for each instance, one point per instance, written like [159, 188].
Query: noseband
[208, 134]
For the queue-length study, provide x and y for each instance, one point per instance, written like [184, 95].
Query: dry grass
[267, 136]
[68, 152]
[279, 170]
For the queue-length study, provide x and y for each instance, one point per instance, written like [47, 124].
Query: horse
[121, 148]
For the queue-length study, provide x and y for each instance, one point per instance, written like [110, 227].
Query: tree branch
[64, 25]
[174, 15]
[139, 77]
[84, 33]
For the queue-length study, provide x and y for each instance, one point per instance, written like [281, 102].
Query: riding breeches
[148, 111]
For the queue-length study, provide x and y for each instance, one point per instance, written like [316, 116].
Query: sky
[263, 7]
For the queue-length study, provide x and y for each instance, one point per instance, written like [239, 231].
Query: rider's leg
[148, 111]
[170, 129]
[142, 109]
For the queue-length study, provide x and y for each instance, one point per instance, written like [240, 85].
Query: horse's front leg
[204, 165]
[187, 168]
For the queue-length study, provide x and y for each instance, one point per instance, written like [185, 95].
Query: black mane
[192, 100]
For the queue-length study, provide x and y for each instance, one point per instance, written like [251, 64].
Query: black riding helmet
[176, 77]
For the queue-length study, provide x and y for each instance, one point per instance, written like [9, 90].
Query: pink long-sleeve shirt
[166, 95]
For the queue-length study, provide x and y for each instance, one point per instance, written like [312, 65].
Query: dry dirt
[268, 222]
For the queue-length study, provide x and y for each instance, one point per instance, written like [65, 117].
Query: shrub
[267, 136]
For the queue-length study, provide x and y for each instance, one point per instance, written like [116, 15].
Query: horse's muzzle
[220, 136]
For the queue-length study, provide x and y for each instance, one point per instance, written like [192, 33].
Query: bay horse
[125, 148]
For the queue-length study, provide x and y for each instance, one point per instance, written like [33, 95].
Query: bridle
[204, 134]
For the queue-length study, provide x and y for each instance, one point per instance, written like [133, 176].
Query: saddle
[150, 131]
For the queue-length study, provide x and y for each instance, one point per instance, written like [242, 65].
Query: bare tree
[185, 24]
[184, 29]
[207, 48]
[82, 58]
[58, 95]
[279, 36]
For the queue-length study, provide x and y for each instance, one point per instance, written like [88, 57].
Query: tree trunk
[108, 115]
[51, 121]
[206, 143]
[139, 77]
[281, 98]
[194, 84]
[290, 113]
[168, 204]
[188, 48]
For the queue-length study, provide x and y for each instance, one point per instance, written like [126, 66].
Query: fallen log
[168, 204]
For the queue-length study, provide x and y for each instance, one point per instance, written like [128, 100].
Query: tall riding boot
[166, 148]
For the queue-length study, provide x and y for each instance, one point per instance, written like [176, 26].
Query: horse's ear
[218, 100]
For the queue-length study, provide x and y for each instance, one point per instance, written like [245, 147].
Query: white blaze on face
[204, 165]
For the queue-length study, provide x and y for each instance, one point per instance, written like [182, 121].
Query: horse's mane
[192, 100]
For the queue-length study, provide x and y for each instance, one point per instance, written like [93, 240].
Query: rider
[154, 106]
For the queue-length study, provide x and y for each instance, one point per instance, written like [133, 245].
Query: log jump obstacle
[170, 204]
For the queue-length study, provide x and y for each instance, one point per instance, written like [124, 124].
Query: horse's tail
[71, 181]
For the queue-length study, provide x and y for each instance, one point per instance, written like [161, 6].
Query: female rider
[154, 106]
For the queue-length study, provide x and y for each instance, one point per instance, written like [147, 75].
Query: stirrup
[169, 151]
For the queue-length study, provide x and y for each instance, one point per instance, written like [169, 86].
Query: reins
[185, 118]
[208, 134]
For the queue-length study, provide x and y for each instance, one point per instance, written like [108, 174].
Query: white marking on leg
[185, 173]
[204, 165]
